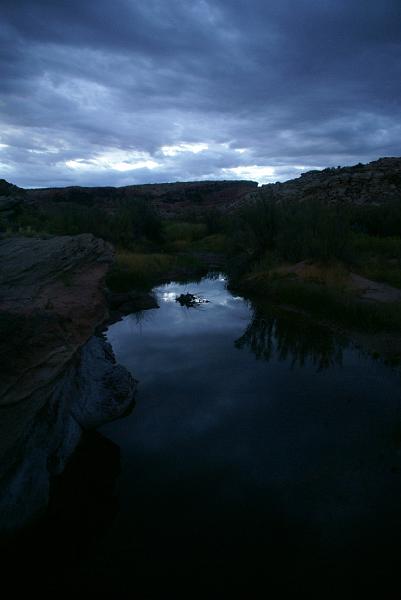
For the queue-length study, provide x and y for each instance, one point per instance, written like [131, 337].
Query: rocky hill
[373, 183]
[169, 199]
[8, 189]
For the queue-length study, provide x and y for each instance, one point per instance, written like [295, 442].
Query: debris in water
[190, 300]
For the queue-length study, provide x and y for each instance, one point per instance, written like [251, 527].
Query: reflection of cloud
[211, 289]
[217, 422]
[168, 296]
[202, 402]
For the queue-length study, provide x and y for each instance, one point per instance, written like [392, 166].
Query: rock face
[375, 182]
[51, 300]
[56, 378]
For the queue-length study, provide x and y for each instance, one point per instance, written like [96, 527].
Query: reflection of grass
[327, 303]
[285, 335]
[135, 270]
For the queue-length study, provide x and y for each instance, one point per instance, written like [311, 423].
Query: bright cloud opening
[192, 148]
[115, 160]
[260, 173]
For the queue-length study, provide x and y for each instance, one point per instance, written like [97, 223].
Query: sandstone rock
[130, 302]
[56, 379]
[51, 300]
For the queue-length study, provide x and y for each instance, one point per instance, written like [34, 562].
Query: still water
[262, 448]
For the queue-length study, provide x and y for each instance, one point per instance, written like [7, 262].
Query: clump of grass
[137, 271]
[331, 274]
[180, 230]
[378, 258]
[325, 302]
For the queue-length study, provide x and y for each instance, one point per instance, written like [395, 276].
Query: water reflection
[291, 337]
[238, 468]
[277, 468]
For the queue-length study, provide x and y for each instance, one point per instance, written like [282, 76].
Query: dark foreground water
[263, 451]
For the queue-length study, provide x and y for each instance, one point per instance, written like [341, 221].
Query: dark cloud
[101, 92]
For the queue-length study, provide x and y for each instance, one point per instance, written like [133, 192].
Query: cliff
[56, 378]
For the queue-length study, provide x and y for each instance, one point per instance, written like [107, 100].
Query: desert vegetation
[302, 254]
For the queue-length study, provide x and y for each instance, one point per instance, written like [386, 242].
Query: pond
[263, 448]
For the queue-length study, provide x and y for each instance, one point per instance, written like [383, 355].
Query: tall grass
[293, 230]
[385, 247]
[141, 271]
[124, 225]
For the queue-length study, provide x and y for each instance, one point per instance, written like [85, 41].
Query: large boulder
[56, 378]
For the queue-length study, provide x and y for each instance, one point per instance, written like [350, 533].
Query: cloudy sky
[115, 92]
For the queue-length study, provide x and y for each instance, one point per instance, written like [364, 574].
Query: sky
[120, 92]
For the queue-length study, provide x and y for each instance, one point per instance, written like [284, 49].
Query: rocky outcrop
[376, 182]
[8, 189]
[56, 378]
[51, 300]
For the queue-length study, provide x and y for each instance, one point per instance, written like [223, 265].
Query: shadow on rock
[82, 505]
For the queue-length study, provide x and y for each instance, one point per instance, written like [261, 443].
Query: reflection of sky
[321, 442]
